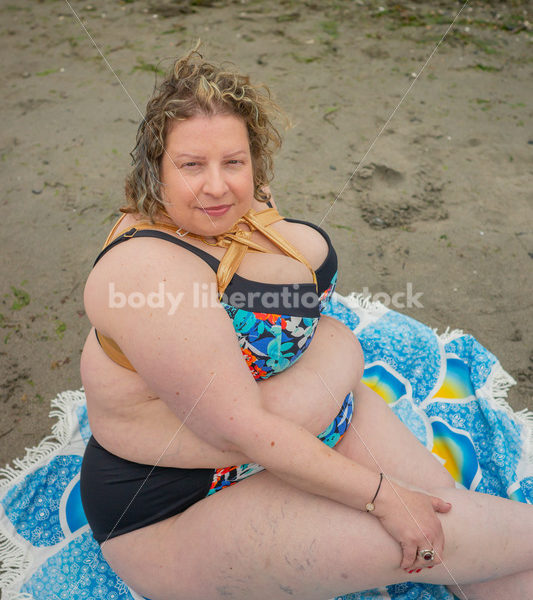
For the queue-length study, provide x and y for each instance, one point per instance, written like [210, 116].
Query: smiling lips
[216, 211]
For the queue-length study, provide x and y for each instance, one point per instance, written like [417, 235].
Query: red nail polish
[418, 570]
[411, 571]
[430, 567]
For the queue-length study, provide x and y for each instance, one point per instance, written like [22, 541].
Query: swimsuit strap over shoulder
[238, 242]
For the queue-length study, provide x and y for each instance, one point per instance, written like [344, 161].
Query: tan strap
[238, 242]
[260, 222]
[138, 227]
[161, 226]
[112, 235]
[112, 349]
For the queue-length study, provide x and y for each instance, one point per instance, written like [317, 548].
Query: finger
[437, 545]
[421, 561]
[408, 555]
[440, 505]
[437, 560]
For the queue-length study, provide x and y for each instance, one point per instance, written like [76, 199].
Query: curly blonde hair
[197, 87]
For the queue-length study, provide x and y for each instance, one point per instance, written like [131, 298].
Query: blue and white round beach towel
[448, 389]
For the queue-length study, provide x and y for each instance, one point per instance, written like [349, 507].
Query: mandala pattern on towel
[78, 571]
[33, 505]
[442, 389]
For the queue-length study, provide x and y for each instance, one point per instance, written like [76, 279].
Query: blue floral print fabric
[270, 342]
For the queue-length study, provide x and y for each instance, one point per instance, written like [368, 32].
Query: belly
[130, 421]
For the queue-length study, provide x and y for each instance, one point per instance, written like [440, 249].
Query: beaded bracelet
[370, 506]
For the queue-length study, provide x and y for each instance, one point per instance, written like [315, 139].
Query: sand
[417, 159]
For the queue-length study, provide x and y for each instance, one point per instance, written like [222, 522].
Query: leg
[380, 441]
[512, 586]
[266, 539]
[261, 538]
[490, 534]
[415, 466]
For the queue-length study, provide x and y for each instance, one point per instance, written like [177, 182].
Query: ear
[266, 189]
[257, 205]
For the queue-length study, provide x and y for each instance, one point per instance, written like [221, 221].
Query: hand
[410, 517]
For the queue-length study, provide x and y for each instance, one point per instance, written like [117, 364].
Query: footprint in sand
[389, 198]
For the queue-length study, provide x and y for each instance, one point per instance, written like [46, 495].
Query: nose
[215, 185]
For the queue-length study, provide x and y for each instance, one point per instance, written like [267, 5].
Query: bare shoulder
[135, 274]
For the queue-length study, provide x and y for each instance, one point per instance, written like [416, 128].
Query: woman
[177, 415]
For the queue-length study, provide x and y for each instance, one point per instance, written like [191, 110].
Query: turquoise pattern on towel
[34, 503]
[449, 391]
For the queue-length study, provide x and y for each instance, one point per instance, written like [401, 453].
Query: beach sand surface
[416, 156]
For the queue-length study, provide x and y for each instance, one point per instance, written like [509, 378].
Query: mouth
[216, 210]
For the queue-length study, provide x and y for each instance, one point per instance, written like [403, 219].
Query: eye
[189, 164]
[234, 161]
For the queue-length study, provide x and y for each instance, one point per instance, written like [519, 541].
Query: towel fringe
[526, 417]
[17, 596]
[449, 335]
[13, 563]
[61, 434]
[359, 301]
[497, 387]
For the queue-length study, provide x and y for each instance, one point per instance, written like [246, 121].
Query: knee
[441, 487]
[349, 358]
[352, 352]
[442, 479]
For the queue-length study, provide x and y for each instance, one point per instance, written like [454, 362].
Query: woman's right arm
[309, 393]
[193, 362]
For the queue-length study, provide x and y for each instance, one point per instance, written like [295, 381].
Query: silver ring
[426, 554]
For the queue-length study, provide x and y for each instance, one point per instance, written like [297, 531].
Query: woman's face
[207, 174]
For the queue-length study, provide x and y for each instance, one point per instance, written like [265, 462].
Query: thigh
[263, 539]
[379, 440]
